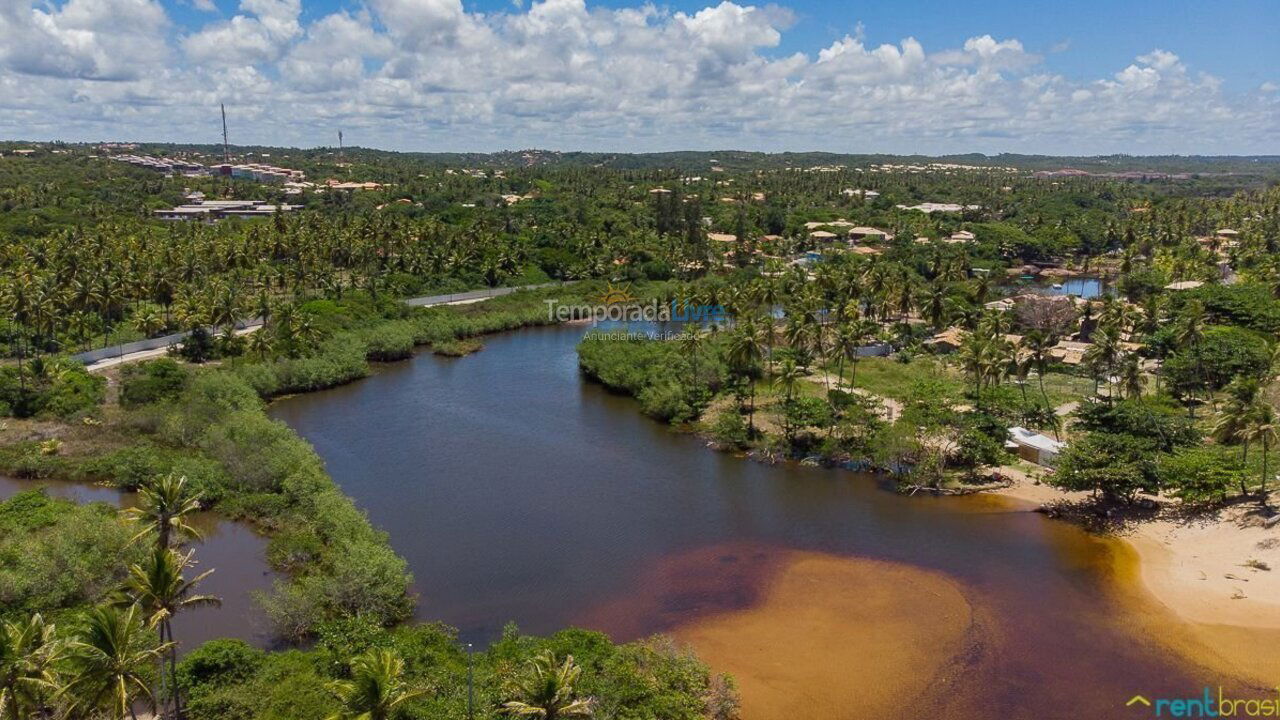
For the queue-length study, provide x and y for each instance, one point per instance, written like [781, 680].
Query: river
[518, 491]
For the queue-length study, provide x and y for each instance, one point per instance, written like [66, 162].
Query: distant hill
[734, 160]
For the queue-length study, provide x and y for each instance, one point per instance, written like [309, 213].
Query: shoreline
[1198, 572]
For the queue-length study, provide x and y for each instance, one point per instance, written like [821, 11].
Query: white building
[1035, 447]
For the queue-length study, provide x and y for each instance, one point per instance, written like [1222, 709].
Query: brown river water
[518, 491]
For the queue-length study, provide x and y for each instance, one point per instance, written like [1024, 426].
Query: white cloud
[259, 33]
[87, 39]
[427, 74]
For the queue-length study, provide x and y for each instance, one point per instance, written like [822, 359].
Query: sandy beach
[1218, 572]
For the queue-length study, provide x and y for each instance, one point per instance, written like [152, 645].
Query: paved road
[103, 358]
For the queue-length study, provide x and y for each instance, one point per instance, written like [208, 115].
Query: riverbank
[1218, 572]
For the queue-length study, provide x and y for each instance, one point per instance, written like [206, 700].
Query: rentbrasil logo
[1210, 705]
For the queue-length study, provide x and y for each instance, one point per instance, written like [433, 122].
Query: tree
[1189, 334]
[745, 347]
[690, 341]
[789, 375]
[111, 657]
[1115, 465]
[29, 653]
[548, 692]
[1131, 384]
[1200, 474]
[159, 588]
[1233, 421]
[1263, 428]
[165, 507]
[376, 690]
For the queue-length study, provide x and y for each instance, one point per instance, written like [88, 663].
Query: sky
[1077, 77]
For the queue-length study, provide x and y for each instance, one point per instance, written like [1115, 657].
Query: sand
[835, 637]
[1206, 573]
[1209, 572]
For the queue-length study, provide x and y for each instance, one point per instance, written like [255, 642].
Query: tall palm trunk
[1244, 461]
[1266, 451]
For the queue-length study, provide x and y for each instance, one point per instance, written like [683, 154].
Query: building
[164, 165]
[215, 210]
[722, 237]
[869, 234]
[267, 174]
[947, 341]
[1034, 447]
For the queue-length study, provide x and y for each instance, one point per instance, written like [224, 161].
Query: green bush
[55, 554]
[389, 341]
[150, 382]
[730, 429]
[50, 386]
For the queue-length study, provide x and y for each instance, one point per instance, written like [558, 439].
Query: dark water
[520, 492]
[236, 554]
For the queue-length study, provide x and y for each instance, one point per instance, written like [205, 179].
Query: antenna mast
[226, 152]
[340, 154]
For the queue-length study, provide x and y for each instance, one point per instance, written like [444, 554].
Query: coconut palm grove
[1101, 330]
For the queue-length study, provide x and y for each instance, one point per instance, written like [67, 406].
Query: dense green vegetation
[1135, 383]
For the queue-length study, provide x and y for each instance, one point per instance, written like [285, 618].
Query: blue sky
[1080, 76]
[1238, 39]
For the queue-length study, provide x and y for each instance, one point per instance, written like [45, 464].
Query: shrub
[219, 662]
[668, 401]
[389, 341]
[55, 554]
[50, 386]
[151, 382]
[729, 429]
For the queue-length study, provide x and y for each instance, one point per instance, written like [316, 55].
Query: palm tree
[547, 693]
[164, 507]
[1037, 344]
[861, 330]
[111, 657]
[159, 588]
[1189, 334]
[745, 347]
[1233, 421]
[976, 353]
[1263, 428]
[690, 340]
[260, 343]
[29, 653]
[1131, 385]
[789, 374]
[376, 689]
[935, 305]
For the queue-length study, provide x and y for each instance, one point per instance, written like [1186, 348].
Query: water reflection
[235, 552]
[519, 492]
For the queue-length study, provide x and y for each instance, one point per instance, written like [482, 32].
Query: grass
[894, 379]
[1062, 387]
